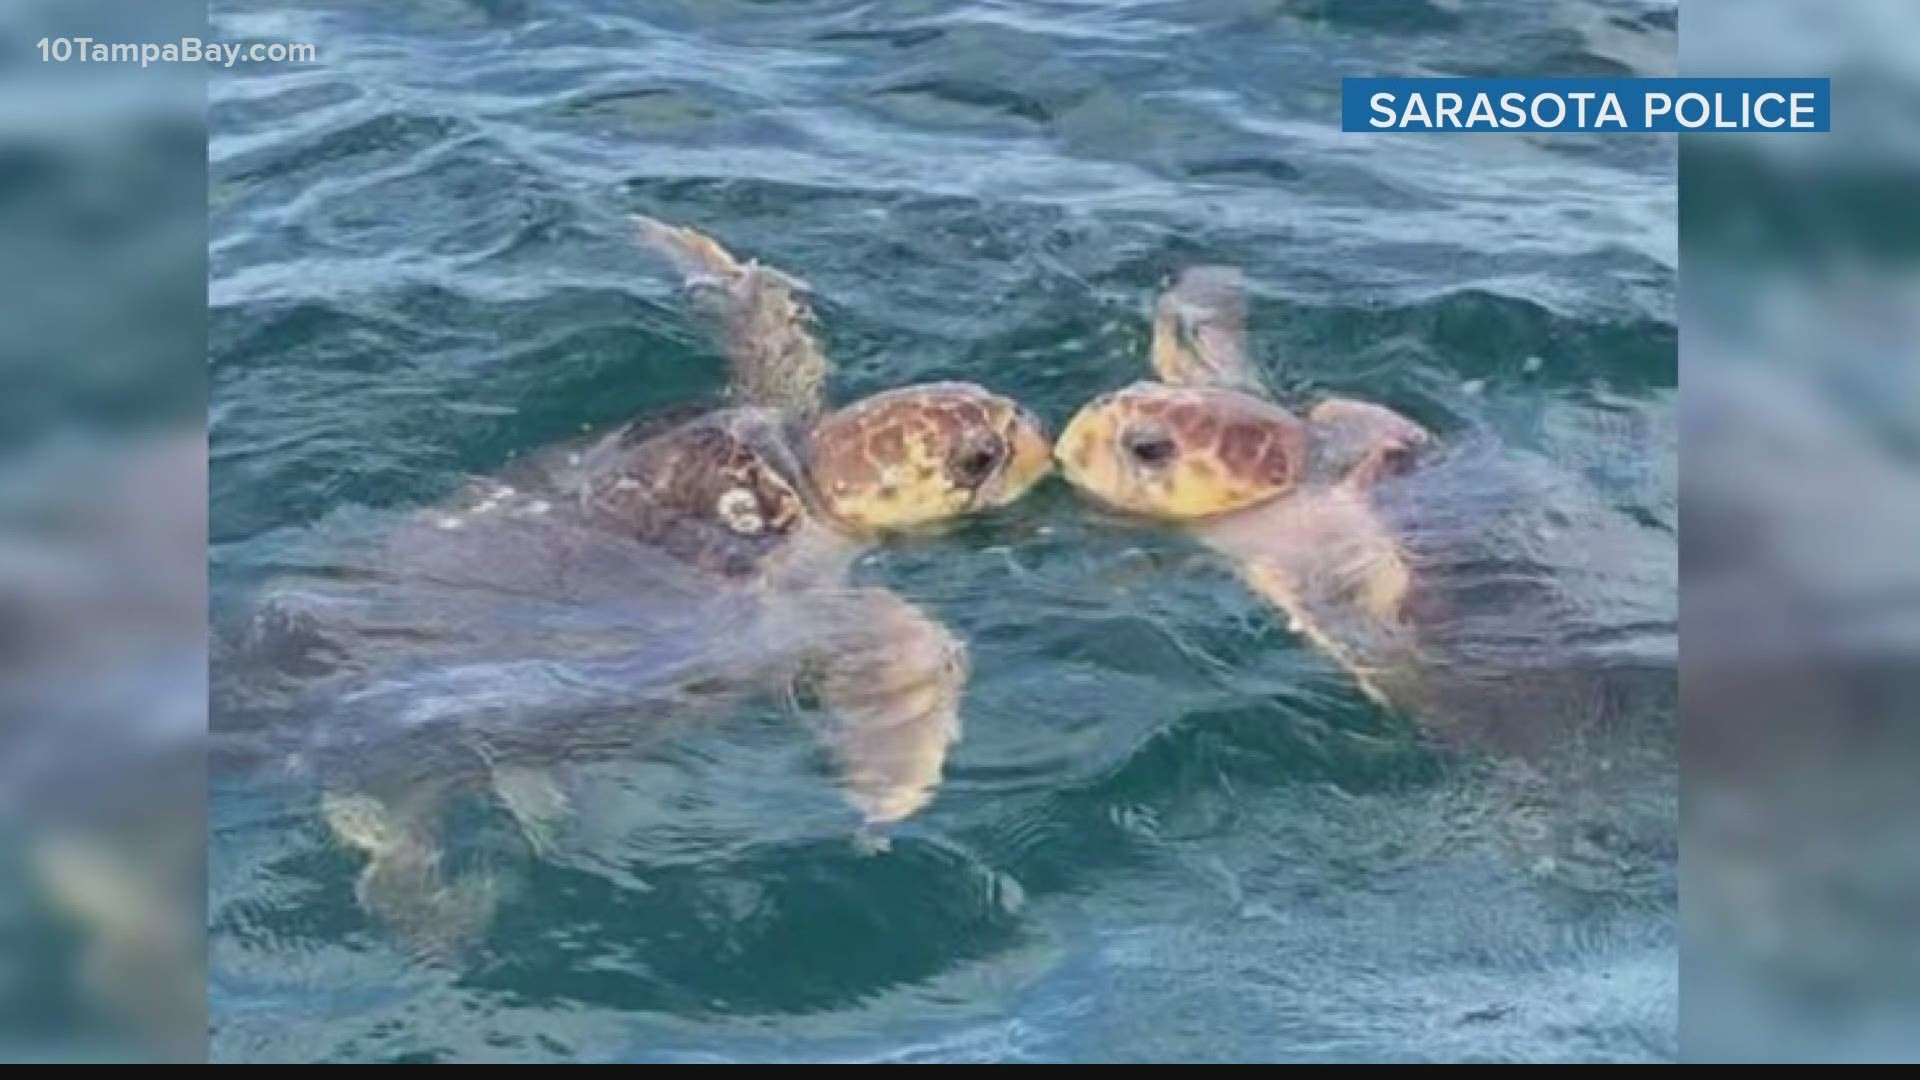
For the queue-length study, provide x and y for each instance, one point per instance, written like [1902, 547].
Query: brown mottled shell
[707, 491]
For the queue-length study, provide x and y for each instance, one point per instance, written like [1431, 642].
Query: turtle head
[922, 455]
[1183, 453]
[1186, 453]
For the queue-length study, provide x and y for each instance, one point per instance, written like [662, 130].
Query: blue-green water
[1171, 832]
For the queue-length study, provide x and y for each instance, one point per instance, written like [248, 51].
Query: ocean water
[1171, 831]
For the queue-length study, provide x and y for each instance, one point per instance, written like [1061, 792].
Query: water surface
[1171, 832]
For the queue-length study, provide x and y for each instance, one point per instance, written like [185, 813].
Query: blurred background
[1800, 584]
[1800, 594]
[102, 540]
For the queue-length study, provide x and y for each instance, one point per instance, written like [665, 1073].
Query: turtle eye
[1149, 446]
[977, 459]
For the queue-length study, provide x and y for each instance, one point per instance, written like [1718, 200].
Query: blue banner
[1671, 105]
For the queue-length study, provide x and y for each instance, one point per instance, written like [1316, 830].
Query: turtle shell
[719, 491]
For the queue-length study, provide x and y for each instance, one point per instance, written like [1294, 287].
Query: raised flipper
[890, 679]
[1200, 332]
[764, 317]
[402, 884]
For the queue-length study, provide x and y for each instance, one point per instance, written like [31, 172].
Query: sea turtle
[580, 600]
[1481, 592]
[1286, 499]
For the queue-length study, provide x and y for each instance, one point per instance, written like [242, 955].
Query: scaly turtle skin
[1286, 498]
[671, 567]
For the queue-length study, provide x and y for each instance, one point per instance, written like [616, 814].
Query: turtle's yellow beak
[1085, 450]
[1030, 456]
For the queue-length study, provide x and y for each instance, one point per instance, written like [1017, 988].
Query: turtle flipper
[1200, 332]
[538, 803]
[1327, 560]
[891, 679]
[764, 316]
[402, 884]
